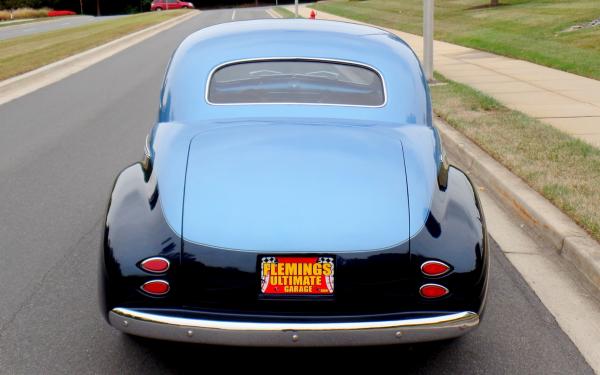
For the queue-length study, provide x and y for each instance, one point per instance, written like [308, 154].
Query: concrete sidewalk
[566, 101]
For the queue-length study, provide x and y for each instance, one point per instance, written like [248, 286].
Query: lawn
[563, 169]
[525, 29]
[22, 54]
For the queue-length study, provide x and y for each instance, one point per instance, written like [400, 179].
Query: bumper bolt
[295, 338]
[190, 333]
[398, 334]
[125, 323]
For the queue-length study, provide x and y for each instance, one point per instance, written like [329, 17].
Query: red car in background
[170, 4]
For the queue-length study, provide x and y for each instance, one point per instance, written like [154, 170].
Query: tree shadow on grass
[487, 5]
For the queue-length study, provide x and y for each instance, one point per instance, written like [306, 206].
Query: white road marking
[272, 13]
[233, 15]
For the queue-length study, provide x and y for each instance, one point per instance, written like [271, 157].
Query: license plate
[292, 275]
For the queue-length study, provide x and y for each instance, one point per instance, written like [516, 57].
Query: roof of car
[200, 53]
[295, 37]
[266, 26]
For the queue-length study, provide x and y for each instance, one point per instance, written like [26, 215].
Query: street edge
[23, 84]
[539, 214]
[25, 21]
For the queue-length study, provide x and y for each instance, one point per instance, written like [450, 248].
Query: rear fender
[455, 233]
[135, 229]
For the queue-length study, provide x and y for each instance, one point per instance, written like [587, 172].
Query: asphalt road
[60, 149]
[28, 28]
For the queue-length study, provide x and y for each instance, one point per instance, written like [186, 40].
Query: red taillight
[433, 291]
[156, 287]
[155, 265]
[434, 268]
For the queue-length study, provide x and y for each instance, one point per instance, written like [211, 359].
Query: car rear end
[293, 233]
[294, 201]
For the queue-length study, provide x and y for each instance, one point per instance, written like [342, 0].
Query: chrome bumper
[292, 334]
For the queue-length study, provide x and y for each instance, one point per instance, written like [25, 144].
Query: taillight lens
[155, 265]
[156, 287]
[433, 291]
[434, 268]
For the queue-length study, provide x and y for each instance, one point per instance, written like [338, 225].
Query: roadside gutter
[542, 217]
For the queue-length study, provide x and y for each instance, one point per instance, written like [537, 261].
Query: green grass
[563, 169]
[26, 53]
[283, 12]
[523, 29]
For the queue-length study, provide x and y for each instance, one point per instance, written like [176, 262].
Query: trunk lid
[290, 188]
[255, 190]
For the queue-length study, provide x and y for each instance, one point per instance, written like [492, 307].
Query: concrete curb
[38, 21]
[545, 219]
[26, 83]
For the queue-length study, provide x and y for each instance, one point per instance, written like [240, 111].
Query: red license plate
[291, 275]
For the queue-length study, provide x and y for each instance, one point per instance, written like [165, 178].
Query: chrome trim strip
[295, 58]
[255, 326]
[292, 334]
[147, 147]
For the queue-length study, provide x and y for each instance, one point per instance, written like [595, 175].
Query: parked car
[159, 5]
[294, 191]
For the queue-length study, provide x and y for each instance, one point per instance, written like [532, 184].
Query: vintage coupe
[294, 191]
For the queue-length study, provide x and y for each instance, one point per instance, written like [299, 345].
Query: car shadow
[187, 358]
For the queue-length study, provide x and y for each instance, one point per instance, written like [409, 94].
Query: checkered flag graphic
[325, 260]
[264, 282]
[328, 279]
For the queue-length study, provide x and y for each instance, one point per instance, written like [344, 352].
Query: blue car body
[223, 184]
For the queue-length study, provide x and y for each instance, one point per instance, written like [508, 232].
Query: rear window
[296, 81]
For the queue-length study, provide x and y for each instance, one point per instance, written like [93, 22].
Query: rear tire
[158, 9]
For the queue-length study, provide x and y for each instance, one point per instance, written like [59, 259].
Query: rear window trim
[311, 59]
